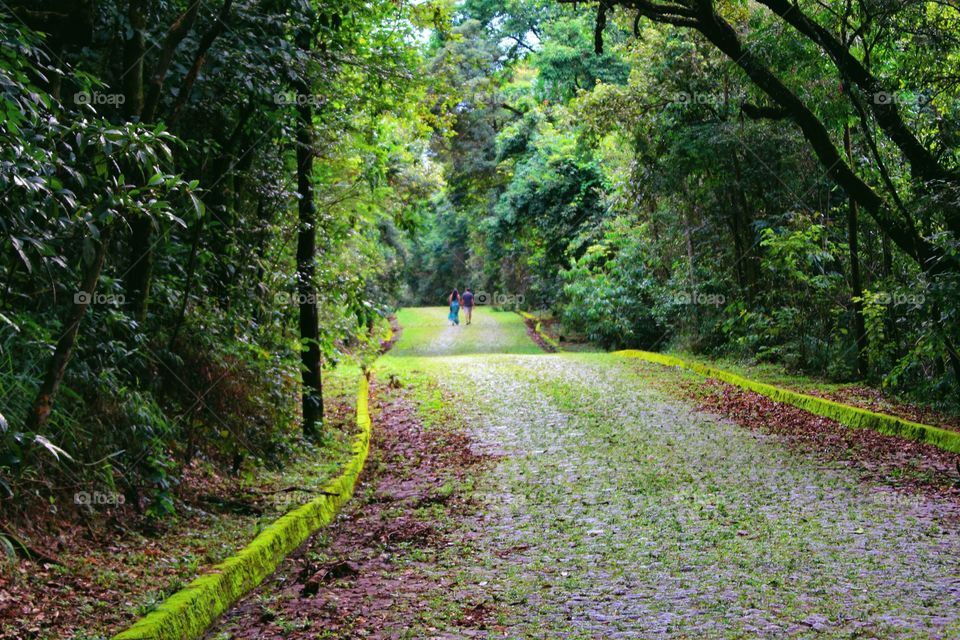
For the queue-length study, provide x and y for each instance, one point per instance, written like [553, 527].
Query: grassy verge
[857, 394]
[188, 613]
[842, 413]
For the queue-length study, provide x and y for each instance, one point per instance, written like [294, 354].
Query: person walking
[454, 301]
[467, 299]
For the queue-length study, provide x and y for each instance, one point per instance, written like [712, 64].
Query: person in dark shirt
[467, 299]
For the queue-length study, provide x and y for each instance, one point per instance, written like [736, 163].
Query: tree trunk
[856, 286]
[198, 59]
[188, 285]
[137, 279]
[691, 270]
[43, 405]
[742, 236]
[175, 35]
[134, 49]
[312, 393]
[141, 266]
[663, 274]
[887, 256]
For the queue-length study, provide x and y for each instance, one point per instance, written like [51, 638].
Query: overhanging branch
[763, 113]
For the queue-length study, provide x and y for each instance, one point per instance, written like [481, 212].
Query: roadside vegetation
[202, 204]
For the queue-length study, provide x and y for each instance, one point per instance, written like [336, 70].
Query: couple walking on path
[456, 300]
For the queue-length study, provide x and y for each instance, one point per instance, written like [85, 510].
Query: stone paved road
[618, 511]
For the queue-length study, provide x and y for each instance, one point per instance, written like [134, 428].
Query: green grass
[427, 332]
[187, 613]
[769, 373]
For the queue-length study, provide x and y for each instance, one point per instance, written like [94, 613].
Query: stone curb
[842, 413]
[186, 614]
[539, 331]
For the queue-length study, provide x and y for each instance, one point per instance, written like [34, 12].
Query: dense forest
[207, 206]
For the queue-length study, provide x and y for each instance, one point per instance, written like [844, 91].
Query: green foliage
[612, 294]
[544, 213]
[188, 612]
[628, 192]
[69, 179]
[188, 348]
[798, 321]
[568, 63]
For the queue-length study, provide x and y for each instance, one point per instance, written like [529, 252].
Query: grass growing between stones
[615, 509]
[513, 493]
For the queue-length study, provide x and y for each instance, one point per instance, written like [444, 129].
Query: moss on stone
[844, 414]
[538, 329]
[187, 613]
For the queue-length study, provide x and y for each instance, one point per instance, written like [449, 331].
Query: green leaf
[16, 328]
[198, 205]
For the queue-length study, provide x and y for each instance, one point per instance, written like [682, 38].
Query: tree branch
[186, 88]
[922, 161]
[175, 35]
[723, 36]
[511, 109]
[763, 113]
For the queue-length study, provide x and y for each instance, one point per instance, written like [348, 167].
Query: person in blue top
[454, 301]
[467, 299]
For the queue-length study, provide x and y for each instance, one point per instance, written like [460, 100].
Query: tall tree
[312, 392]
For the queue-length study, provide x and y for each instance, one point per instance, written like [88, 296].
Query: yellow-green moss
[538, 329]
[186, 614]
[844, 414]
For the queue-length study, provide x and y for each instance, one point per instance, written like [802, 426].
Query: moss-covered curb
[538, 329]
[186, 614]
[844, 414]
